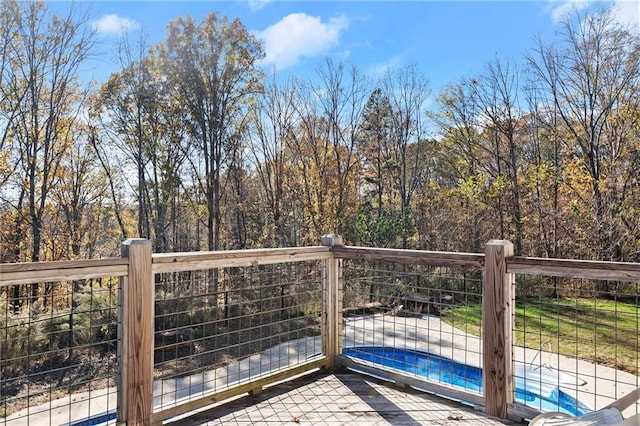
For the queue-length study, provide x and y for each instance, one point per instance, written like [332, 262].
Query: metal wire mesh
[219, 328]
[58, 351]
[216, 330]
[402, 317]
[579, 338]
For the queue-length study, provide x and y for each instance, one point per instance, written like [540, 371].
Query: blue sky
[446, 39]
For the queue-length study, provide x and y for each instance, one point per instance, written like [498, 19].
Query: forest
[195, 147]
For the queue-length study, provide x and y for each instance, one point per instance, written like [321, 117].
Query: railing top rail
[33, 272]
[569, 268]
[417, 257]
[173, 262]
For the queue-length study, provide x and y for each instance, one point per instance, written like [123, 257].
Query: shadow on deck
[340, 398]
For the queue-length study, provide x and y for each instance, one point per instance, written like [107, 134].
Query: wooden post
[136, 329]
[332, 301]
[497, 317]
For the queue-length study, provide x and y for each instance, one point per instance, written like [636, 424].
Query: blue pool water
[97, 420]
[534, 390]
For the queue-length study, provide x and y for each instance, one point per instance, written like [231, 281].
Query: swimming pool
[534, 387]
[97, 420]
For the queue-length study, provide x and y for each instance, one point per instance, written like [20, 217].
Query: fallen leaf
[455, 416]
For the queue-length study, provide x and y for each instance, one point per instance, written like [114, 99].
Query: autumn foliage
[191, 145]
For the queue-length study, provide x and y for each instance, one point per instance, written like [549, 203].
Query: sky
[448, 40]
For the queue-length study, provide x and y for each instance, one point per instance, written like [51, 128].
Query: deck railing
[58, 340]
[430, 283]
[194, 329]
[566, 326]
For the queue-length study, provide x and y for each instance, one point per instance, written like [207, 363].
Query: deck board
[340, 398]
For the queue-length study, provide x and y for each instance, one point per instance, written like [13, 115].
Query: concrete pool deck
[426, 333]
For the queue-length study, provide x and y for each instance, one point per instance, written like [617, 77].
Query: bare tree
[342, 95]
[498, 97]
[273, 120]
[113, 178]
[407, 90]
[324, 145]
[545, 157]
[591, 75]
[140, 118]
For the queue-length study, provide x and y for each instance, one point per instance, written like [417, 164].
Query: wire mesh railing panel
[577, 342]
[220, 328]
[420, 320]
[58, 351]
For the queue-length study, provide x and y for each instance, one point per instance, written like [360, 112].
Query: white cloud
[625, 11]
[560, 9]
[628, 12]
[256, 5]
[380, 69]
[300, 35]
[114, 25]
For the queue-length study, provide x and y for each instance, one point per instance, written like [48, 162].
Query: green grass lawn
[601, 331]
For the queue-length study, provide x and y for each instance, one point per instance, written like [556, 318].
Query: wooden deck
[340, 398]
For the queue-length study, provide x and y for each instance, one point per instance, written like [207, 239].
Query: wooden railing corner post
[497, 316]
[136, 330]
[332, 301]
